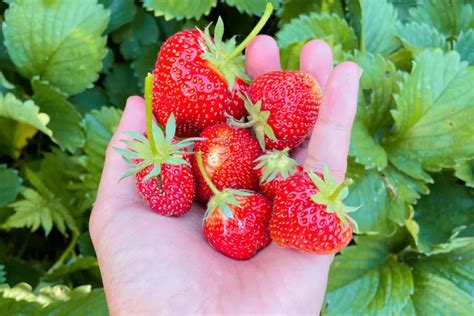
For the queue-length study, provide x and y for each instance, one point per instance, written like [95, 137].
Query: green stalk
[338, 190]
[263, 20]
[66, 252]
[205, 175]
[149, 112]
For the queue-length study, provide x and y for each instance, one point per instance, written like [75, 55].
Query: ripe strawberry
[161, 165]
[283, 107]
[198, 78]
[236, 222]
[273, 169]
[309, 215]
[228, 156]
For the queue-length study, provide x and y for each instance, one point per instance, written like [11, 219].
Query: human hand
[152, 264]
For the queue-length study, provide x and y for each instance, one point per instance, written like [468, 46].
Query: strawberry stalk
[205, 175]
[149, 112]
[261, 23]
[334, 196]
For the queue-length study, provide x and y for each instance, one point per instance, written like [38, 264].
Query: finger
[261, 56]
[316, 59]
[329, 144]
[133, 119]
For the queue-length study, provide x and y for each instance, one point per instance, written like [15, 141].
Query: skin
[152, 264]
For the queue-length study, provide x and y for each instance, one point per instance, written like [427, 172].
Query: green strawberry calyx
[157, 148]
[257, 119]
[276, 163]
[222, 200]
[225, 56]
[331, 194]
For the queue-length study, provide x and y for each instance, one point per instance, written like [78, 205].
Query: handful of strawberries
[226, 143]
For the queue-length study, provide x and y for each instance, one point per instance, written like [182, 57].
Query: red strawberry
[236, 222]
[308, 214]
[273, 169]
[161, 165]
[198, 78]
[228, 156]
[283, 108]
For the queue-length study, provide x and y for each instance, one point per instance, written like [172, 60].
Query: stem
[149, 112]
[263, 20]
[338, 190]
[204, 173]
[233, 123]
[66, 252]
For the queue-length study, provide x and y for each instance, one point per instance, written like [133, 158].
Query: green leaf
[434, 115]
[290, 10]
[418, 36]
[456, 266]
[67, 53]
[91, 99]
[379, 27]
[465, 171]
[99, 127]
[447, 16]
[2, 274]
[435, 295]
[290, 56]
[464, 46]
[403, 7]
[121, 12]
[90, 303]
[76, 264]
[440, 216]
[85, 246]
[255, 7]
[120, 84]
[378, 83]
[65, 120]
[10, 185]
[19, 121]
[365, 280]
[180, 9]
[331, 28]
[134, 37]
[144, 64]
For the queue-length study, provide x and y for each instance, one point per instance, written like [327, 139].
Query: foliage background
[68, 66]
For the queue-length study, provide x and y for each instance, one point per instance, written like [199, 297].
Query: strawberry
[198, 78]
[283, 107]
[236, 221]
[309, 215]
[228, 156]
[273, 169]
[161, 165]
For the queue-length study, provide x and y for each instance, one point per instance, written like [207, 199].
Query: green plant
[68, 66]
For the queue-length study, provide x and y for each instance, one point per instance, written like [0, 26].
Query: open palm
[152, 264]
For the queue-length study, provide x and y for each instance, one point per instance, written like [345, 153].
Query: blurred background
[67, 67]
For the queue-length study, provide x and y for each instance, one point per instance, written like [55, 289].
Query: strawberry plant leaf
[379, 27]
[465, 171]
[464, 46]
[418, 36]
[10, 185]
[87, 303]
[120, 83]
[2, 274]
[144, 63]
[67, 53]
[10, 306]
[448, 17]
[90, 99]
[84, 243]
[290, 56]
[133, 37]
[366, 280]
[121, 12]
[19, 121]
[74, 265]
[435, 295]
[434, 225]
[255, 7]
[65, 120]
[332, 28]
[290, 10]
[433, 116]
[180, 9]
[378, 83]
